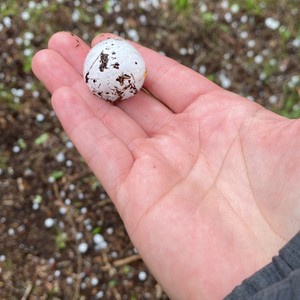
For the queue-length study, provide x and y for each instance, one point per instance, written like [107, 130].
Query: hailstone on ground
[114, 70]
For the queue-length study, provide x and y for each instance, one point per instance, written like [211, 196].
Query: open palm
[206, 182]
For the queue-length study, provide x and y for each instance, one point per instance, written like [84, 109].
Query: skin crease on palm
[206, 181]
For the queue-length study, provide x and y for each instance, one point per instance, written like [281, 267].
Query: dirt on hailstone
[51, 205]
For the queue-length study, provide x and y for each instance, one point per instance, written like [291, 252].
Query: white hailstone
[228, 66]
[114, 254]
[17, 92]
[114, 70]
[57, 273]
[68, 201]
[35, 94]
[235, 8]
[60, 157]
[28, 52]
[273, 99]
[103, 196]
[87, 221]
[266, 52]
[16, 149]
[133, 35]
[110, 230]
[2, 258]
[244, 19]
[19, 41]
[28, 172]
[80, 196]
[251, 43]
[98, 238]
[31, 4]
[78, 236]
[143, 19]
[62, 194]
[98, 19]
[83, 210]
[272, 23]
[69, 280]
[294, 81]
[202, 69]
[7, 21]
[273, 62]
[28, 35]
[62, 210]
[83, 247]
[101, 246]
[94, 281]
[203, 8]
[244, 34]
[21, 228]
[226, 55]
[11, 231]
[224, 4]
[258, 59]
[117, 8]
[72, 187]
[35, 206]
[85, 36]
[51, 260]
[75, 15]
[183, 51]
[51, 179]
[99, 295]
[142, 276]
[89, 227]
[69, 145]
[263, 76]
[296, 42]
[228, 17]
[250, 53]
[49, 222]
[225, 81]
[28, 85]
[69, 163]
[234, 24]
[120, 20]
[40, 117]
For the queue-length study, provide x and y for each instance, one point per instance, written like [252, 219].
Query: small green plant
[42, 139]
[113, 283]
[61, 239]
[38, 199]
[57, 174]
[27, 63]
[182, 5]
[97, 230]
[22, 144]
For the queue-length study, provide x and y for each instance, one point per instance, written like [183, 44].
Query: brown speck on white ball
[114, 70]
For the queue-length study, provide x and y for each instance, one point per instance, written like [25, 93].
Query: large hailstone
[114, 70]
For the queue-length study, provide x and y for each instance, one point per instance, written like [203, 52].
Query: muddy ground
[60, 235]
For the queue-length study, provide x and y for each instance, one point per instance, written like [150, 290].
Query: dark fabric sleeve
[278, 280]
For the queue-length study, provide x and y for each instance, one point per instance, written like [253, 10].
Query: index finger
[173, 84]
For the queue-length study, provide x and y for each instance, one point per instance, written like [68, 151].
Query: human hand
[205, 181]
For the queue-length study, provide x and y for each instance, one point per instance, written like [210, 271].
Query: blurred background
[60, 236]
